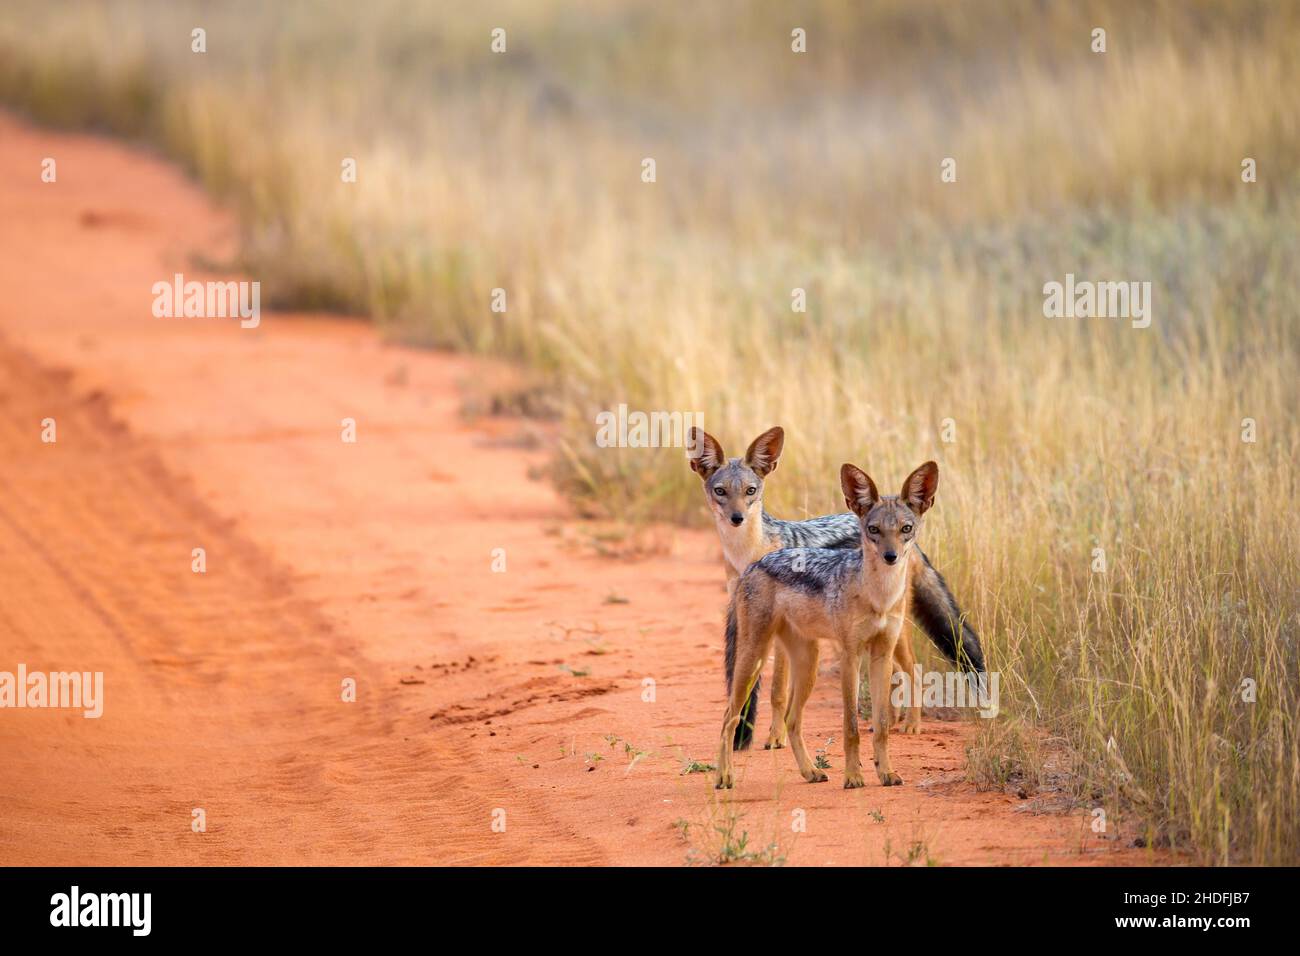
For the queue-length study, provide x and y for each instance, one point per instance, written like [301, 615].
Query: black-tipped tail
[935, 611]
[745, 729]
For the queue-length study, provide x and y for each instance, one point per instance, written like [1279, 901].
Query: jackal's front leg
[849, 689]
[880, 655]
[905, 666]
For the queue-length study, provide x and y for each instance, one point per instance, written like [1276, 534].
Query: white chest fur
[741, 546]
[883, 586]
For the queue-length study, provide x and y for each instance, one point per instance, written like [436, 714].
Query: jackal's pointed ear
[859, 490]
[765, 451]
[705, 454]
[919, 488]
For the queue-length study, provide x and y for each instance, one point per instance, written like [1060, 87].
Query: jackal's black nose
[737, 518]
[890, 557]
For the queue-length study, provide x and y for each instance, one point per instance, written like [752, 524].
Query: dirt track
[328, 560]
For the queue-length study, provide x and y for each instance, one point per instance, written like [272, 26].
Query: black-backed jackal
[857, 600]
[734, 489]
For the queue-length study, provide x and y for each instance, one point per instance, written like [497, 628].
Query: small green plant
[822, 761]
[695, 766]
[733, 844]
[917, 851]
[634, 755]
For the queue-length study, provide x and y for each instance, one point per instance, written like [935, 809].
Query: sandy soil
[477, 691]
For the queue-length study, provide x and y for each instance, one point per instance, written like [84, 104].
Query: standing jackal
[856, 599]
[734, 489]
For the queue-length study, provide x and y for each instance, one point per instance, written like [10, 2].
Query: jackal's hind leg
[803, 675]
[849, 689]
[751, 649]
[776, 736]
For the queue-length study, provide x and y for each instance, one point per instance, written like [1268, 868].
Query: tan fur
[867, 618]
[740, 551]
[743, 545]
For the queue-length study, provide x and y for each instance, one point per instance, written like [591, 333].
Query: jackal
[856, 599]
[734, 489]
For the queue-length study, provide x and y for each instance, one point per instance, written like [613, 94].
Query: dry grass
[821, 172]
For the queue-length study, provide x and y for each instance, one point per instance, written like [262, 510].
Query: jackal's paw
[774, 742]
[725, 781]
[815, 776]
[910, 727]
[890, 779]
[852, 781]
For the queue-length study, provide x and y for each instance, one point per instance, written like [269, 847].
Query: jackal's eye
[907, 529]
[872, 529]
[751, 491]
[720, 491]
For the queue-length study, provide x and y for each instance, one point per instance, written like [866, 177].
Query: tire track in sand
[222, 689]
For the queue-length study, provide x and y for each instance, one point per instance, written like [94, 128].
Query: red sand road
[477, 692]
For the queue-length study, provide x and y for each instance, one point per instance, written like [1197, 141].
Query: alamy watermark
[82, 690]
[75, 908]
[948, 689]
[1103, 300]
[635, 429]
[179, 299]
